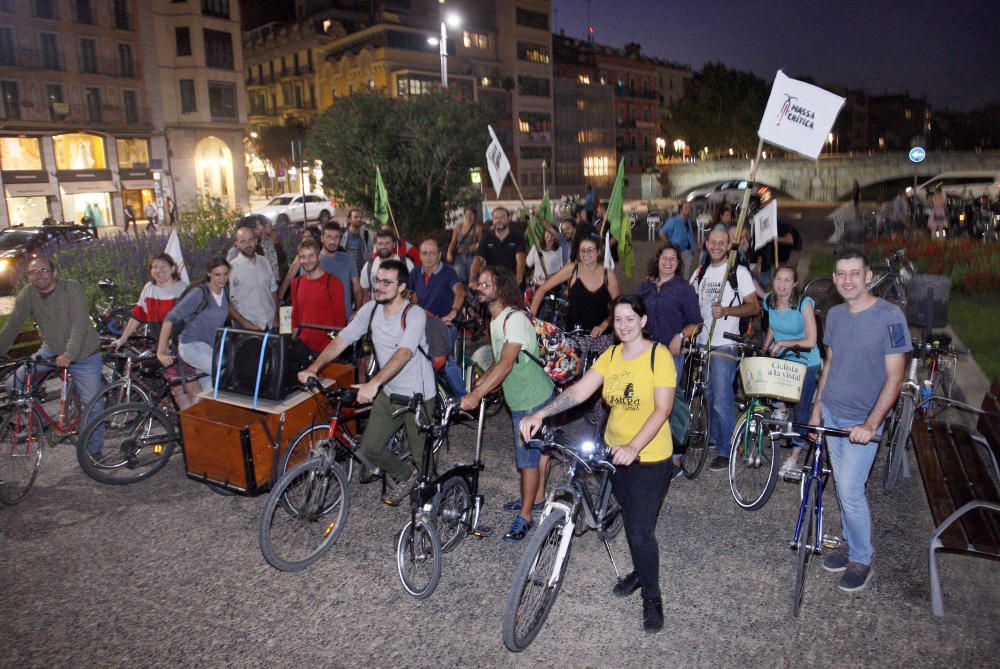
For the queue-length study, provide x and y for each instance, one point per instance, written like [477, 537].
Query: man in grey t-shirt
[397, 332]
[866, 341]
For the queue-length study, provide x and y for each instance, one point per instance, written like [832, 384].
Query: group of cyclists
[636, 341]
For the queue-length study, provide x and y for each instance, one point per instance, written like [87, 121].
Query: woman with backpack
[639, 380]
[792, 322]
[202, 310]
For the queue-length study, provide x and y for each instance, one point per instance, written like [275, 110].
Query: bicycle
[444, 509]
[136, 376]
[313, 493]
[591, 348]
[889, 282]
[768, 382]
[472, 370]
[809, 524]
[25, 419]
[570, 505]
[693, 384]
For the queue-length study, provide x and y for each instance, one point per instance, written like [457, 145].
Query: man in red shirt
[317, 299]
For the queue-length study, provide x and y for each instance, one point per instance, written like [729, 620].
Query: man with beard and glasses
[501, 247]
[253, 288]
[385, 249]
[403, 370]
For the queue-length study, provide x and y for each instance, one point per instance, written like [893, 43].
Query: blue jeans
[851, 464]
[525, 458]
[198, 354]
[87, 380]
[452, 372]
[804, 408]
[722, 412]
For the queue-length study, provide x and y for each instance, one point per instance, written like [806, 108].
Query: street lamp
[450, 19]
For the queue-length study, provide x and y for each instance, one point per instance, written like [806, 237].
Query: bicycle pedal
[482, 531]
[831, 542]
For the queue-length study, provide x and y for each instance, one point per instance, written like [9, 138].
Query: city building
[93, 104]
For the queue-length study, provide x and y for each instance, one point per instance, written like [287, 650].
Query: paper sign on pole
[765, 225]
[496, 162]
[798, 116]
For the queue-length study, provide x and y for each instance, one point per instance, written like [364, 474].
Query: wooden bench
[960, 473]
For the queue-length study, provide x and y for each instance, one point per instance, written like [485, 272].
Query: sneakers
[837, 560]
[514, 506]
[678, 472]
[856, 577]
[518, 529]
[718, 463]
[652, 614]
[790, 470]
[627, 585]
[401, 491]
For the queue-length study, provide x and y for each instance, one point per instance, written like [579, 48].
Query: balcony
[33, 59]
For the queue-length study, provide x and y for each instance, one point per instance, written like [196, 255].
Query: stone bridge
[829, 178]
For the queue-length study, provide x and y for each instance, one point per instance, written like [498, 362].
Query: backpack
[558, 355]
[746, 322]
[436, 332]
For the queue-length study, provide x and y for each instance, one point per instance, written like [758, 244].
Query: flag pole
[536, 243]
[735, 244]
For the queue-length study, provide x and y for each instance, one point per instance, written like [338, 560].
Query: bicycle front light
[5, 265]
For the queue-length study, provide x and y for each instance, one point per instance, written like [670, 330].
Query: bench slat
[989, 426]
[980, 486]
[938, 497]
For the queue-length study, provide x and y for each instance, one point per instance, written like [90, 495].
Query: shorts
[524, 457]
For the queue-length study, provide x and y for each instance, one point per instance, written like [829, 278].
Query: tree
[424, 146]
[720, 108]
[274, 143]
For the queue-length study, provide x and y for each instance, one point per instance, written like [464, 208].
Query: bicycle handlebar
[334, 394]
[793, 429]
[416, 402]
[549, 439]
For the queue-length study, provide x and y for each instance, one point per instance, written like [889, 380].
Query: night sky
[946, 51]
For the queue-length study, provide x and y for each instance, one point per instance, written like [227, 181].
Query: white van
[971, 184]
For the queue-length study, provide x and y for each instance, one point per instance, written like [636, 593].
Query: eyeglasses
[385, 283]
[483, 284]
[36, 272]
[587, 252]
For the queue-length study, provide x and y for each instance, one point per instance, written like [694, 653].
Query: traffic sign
[917, 154]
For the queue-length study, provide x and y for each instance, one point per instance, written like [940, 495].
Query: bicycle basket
[772, 377]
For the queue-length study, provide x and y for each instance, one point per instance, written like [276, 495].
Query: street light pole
[444, 54]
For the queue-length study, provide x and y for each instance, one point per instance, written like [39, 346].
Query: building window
[92, 101]
[11, 100]
[130, 104]
[79, 151]
[533, 53]
[5, 6]
[88, 55]
[218, 8]
[182, 36]
[536, 153]
[530, 19]
[133, 153]
[473, 40]
[534, 123]
[218, 49]
[122, 17]
[291, 92]
[49, 44]
[595, 166]
[45, 9]
[188, 100]
[534, 86]
[583, 79]
[84, 12]
[20, 153]
[126, 64]
[8, 53]
[415, 84]
[58, 109]
[222, 100]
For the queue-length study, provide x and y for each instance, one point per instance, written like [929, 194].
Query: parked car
[285, 209]
[19, 243]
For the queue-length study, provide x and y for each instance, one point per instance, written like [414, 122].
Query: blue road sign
[917, 154]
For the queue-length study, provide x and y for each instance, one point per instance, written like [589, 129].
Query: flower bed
[974, 266]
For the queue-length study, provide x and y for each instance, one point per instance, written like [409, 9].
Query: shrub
[973, 266]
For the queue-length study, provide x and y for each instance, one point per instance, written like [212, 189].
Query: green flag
[545, 209]
[380, 208]
[535, 232]
[621, 230]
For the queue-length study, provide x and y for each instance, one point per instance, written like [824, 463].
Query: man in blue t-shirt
[341, 265]
[866, 341]
[677, 229]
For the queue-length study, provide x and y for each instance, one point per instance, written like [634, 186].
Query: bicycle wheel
[697, 442]
[418, 558]
[309, 438]
[805, 548]
[304, 514]
[122, 391]
[399, 445]
[20, 453]
[137, 442]
[824, 294]
[897, 444]
[452, 510]
[596, 412]
[614, 521]
[536, 584]
[753, 463]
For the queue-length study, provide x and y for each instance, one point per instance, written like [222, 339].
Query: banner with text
[765, 225]
[798, 116]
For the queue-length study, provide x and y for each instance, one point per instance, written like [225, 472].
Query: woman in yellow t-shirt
[639, 380]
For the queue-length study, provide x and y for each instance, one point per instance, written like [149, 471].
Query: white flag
[765, 225]
[609, 262]
[174, 251]
[496, 162]
[798, 116]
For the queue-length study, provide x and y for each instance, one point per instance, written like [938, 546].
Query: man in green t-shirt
[526, 386]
